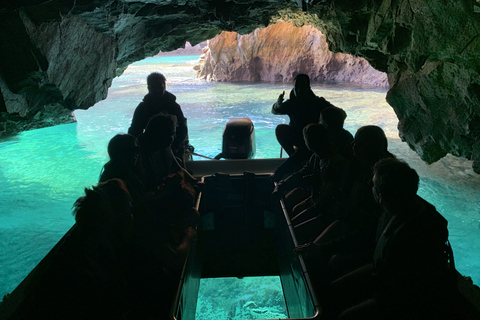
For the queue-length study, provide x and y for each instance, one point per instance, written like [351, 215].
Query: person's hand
[280, 97]
[277, 191]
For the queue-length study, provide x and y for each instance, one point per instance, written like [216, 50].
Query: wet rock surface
[65, 55]
[277, 53]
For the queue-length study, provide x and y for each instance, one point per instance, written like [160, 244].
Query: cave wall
[58, 56]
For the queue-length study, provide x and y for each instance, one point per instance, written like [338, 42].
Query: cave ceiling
[58, 56]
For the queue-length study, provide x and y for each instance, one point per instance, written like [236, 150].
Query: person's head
[161, 130]
[156, 83]
[395, 184]
[123, 149]
[316, 139]
[332, 118]
[301, 84]
[370, 144]
[105, 206]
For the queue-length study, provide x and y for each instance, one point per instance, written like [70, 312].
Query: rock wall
[58, 56]
[279, 52]
[431, 52]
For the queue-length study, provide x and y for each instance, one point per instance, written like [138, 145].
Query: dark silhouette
[349, 241]
[124, 152]
[159, 100]
[409, 277]
[314, 185]
[105, 223]
[157, 158]
[303, 107]
[333, 118]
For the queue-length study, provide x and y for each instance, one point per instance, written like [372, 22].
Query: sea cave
[62, 56]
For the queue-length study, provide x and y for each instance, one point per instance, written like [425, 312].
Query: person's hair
[372, 138]
[303, 78]
[374, 141]
[315, 131]
[95, 210]
[315, 135]
[122, 146]
[156, 78]
[159, 124]
[395, 180]
[333, 117]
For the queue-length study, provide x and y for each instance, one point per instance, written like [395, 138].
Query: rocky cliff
[57, 56]
[279, 52]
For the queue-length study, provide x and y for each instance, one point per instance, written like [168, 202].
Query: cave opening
[437, 178]
[208, 106]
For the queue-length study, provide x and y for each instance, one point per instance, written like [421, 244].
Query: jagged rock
[279, 52]
[66, 53]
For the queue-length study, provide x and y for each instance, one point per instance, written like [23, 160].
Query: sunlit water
[42, 172]
[245, 298]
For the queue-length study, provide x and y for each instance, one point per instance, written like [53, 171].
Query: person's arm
[138, 121]
[277, 106]
[292, 181]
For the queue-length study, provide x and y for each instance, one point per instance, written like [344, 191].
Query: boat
[241, 233]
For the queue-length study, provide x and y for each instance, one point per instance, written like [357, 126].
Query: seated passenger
[321, 177]
[360, 210]
[333, 118]
[303, 107]
[157, 158]
[123, 152]
[410, 273]
[105, 223]
[350, 240]
[297, 186]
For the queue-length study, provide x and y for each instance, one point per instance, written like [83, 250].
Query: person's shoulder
[169, 96]
[431, 216]
[324, 103]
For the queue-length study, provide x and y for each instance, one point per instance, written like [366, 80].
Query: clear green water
[236, 299]
[42, 172]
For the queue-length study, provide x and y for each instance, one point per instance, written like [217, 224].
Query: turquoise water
[42, 172]
[245, 298]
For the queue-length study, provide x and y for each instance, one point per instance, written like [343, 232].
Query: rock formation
[58, 56]
[279, 52]
[187, 51]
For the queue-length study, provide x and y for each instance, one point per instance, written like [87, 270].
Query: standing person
[159, 100]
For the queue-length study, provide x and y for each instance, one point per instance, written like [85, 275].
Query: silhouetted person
[349, 241]
[105, 222]
[409, 276]
[333, 118]
[322, 167]
[159, 100]
[124, 152]
[361, 211]
[157, 158]
[303, 107]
